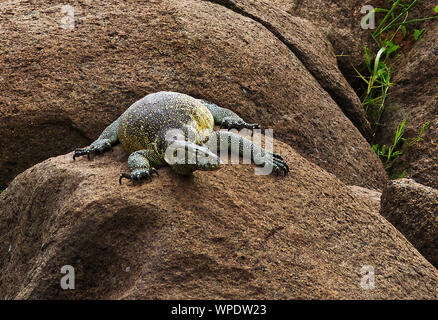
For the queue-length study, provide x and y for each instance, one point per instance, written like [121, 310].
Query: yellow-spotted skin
[176, 130]
[144, 124]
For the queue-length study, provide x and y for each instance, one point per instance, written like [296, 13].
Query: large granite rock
[413, 209]
[59, 88]
[227, 234]
[415, 96]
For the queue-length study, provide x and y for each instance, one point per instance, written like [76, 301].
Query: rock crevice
[337, 88]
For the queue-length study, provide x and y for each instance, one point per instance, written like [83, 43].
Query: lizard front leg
[224, 140]
[106, 140]
[139, 164]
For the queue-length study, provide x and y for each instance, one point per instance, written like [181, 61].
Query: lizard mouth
[188, 156]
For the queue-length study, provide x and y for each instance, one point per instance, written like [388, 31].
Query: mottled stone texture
[340, 22]
[413, 209]
[226, 235]
[59, 88]
[415, 96]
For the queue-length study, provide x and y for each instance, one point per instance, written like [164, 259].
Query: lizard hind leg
[139, 163]
[225, 140]
[227, 118]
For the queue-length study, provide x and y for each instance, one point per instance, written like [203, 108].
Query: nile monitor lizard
[145, 131]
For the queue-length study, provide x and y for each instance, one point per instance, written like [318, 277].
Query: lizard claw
[230, 123]
[279, 166]
[138, 175]
[98, 147]
[277, 156]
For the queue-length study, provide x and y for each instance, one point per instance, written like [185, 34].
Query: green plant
[401, 175]
[387, 153]
[418, 33]
[376, 85]
[396, 19]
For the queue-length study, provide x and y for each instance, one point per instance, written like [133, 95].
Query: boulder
[340, 22]
[313, 49]
[61, 87]
[371, 198]
[228, 234]
[413, 209]
[414, 96]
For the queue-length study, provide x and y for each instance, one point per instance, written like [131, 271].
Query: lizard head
[186, 157]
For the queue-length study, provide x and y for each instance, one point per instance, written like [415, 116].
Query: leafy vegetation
[387, 153]
[418, 33]
[396, 19]
[378, 81]
[376, 86]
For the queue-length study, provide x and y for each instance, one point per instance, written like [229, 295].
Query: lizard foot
[139, 175]
[278, 165]
[277, 156]
[96, 148]
[230, 123]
